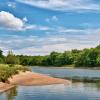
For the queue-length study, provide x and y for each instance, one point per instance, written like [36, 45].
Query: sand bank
[29, 79]
[4, 87]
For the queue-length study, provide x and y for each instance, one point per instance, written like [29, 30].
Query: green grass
[7, 71]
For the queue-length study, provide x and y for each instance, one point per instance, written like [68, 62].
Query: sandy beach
[29, 78]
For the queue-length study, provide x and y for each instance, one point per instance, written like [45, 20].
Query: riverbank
[4, 87]
[29, 78]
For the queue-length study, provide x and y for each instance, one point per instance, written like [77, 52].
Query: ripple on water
[74, 91]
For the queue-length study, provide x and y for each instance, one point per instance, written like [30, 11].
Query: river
[85, 86]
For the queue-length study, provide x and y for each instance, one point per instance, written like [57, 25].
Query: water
[74, 91]
[63, 72]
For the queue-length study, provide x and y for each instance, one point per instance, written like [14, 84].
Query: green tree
[87, 58]
[67, 58]
[54, 58]
[98, 60]
[2, 58]
[12, 59]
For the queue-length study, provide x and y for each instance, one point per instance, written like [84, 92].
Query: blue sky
[38, 27]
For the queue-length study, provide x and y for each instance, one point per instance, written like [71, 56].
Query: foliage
[11, 58]
[79, 58]
[98, 60]
[2, 59]
[87, 58]
[6, 71]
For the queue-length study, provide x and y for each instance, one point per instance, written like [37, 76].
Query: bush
[7, 71]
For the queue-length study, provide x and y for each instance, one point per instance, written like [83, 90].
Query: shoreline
[88, 68]
[5, 87]
[31, 79]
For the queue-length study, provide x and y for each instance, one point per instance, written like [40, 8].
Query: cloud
[9, 21]
[42, 28]
[65, 30]
[36, 45]
[11, 4]
[52, 19]
[25, 19]
[64, 5]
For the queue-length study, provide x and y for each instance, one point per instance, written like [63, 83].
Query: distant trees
[55, 57]
[1, 53]
[24, 60]
[98, 60]
[79, 58]
[2, 59]
[68, 58]
[86, 58]
[12, 59]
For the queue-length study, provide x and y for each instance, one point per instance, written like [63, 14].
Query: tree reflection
[11, 94]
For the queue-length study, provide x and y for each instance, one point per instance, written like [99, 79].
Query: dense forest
[78, 58]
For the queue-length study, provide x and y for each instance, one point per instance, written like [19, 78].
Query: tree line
[78, 58]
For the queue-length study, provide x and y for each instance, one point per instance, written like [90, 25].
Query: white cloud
[11, 4]
[9, 21]
[65, 30]
[25, 19]
[52, 19]
[64, 5]
[34, 45]
[43, 28]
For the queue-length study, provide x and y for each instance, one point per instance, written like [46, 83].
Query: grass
[7, 71]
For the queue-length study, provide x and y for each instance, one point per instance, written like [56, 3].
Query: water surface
[75, 91]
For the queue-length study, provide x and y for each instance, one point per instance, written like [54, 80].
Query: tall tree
[11, 58]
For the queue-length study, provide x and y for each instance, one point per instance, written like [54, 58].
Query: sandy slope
[4, 87]
[30, 78]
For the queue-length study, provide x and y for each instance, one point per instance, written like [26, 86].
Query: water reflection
[82, 88]
[74, 91]
[11, 94]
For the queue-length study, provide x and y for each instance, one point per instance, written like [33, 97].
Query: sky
[38, 27]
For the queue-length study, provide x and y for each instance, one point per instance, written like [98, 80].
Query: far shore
[30, 79]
